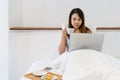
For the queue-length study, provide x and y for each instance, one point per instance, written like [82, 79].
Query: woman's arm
[63, 43]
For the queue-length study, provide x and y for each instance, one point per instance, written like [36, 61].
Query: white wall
[53, 13]
[3, 39]
[29, 46]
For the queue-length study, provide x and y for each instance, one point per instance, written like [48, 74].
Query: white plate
[39, 73]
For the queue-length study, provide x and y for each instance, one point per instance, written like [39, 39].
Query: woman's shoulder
[88, 30]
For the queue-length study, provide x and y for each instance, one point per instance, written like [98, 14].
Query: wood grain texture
[35, 28]
[108, 28]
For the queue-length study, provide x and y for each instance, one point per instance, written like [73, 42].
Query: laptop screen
[86, 41]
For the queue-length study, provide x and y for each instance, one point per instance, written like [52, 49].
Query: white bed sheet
[85, 65]
[91, 65]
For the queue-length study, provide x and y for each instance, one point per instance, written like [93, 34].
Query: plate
[40, 73]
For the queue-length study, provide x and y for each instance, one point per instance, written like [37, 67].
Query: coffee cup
[70, 30]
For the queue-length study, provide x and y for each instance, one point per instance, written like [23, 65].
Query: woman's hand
[64, 33]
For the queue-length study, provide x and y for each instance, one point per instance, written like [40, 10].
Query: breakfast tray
[33, 77]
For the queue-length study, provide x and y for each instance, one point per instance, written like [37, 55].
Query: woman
[76, 21]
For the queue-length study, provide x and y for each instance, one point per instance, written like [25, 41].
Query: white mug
[70, 30]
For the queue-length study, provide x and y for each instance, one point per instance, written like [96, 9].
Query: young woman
[76, 21]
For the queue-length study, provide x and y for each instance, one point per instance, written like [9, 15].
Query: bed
[86, 64]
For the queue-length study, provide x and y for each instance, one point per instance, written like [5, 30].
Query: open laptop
[86, 41]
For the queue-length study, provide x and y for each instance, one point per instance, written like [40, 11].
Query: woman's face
[76, 21]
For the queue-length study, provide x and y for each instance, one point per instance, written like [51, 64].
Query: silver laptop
[86, 41]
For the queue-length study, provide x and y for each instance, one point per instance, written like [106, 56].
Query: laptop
[86, 41]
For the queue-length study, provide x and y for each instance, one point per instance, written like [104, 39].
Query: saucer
[39, 73]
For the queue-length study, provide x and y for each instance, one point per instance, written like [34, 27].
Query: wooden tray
[32, 77]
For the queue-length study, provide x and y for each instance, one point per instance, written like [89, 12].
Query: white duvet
[88, 65]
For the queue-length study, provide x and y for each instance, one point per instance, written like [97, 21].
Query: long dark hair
[82, 27]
